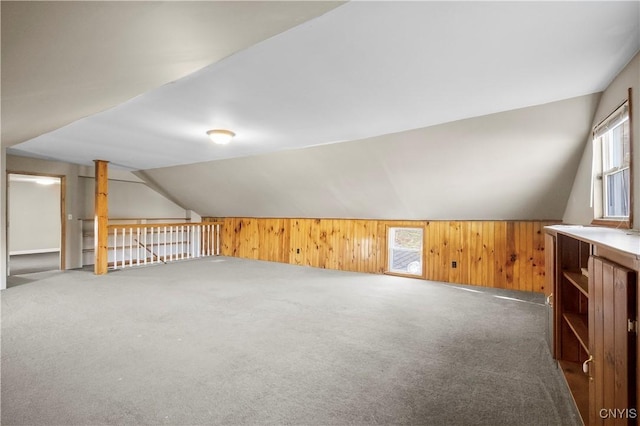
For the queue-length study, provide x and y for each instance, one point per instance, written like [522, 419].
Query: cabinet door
[550, 291]
[549, 264]
[612, 295]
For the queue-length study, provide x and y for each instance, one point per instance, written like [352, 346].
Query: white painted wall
[127, 198]
[130, 200]
[516, 165]
[34, 217]
[578, 210]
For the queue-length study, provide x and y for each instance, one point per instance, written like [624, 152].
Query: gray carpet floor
[232, 341]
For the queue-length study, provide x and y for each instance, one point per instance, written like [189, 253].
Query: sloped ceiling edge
[515, 165]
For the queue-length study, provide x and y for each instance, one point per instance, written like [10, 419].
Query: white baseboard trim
[34, 251]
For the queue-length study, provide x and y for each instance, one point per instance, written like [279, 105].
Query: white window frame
[391, 230]
[603, 149]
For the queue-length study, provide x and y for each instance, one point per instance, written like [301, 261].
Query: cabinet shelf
[579, 324]
[578, 280]
[578, 384]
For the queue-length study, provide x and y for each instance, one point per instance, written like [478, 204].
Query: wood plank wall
[502, 254]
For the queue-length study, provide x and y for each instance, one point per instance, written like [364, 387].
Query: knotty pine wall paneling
[488, 254]
[501, 254]
[437, 251]
[500, 257]
[475, 244]
[382, 236]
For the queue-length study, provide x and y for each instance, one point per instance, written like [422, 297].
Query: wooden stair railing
[144, 244]
[149, 251]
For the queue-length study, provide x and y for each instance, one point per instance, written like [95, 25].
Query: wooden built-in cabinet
[594, 275]
[571, 315]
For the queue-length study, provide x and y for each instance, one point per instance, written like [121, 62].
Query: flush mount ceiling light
[221, 136]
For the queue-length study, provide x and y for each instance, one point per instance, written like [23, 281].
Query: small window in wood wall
[405, 251]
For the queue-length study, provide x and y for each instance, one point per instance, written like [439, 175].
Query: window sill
[397, 274]
[612, 223]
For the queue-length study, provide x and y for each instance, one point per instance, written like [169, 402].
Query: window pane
[615, 144]
[617, 186]
[616, 147]
[607, 151]
[612, 143]
[618, 140]
[406, 261]
[626, 143]
[408, 238]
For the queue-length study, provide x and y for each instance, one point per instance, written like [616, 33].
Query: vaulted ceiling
[367, 84]
[64, 61]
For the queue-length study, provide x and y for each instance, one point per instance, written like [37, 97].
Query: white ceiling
[361, 70]
[62, 61]
[516, 165]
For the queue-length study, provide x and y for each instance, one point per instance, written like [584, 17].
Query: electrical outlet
[454, 264]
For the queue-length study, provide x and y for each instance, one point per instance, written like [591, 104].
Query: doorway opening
[35, 223]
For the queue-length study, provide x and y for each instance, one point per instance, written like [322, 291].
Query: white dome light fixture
[220, 136]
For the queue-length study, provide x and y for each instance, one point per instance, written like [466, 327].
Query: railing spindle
[165, 243]
[187, 246]
[144, 252]
[115, 248]
[152, 233]
[196, 239]
[211, 240]
[124, 242]
[138, 246]
[171, 243]
[181, 242]
[188, 229]
[217, 240]
[205, 241]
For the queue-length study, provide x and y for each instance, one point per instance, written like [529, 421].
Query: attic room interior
[419, 213]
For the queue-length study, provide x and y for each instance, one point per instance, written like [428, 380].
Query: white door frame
[63, 214]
